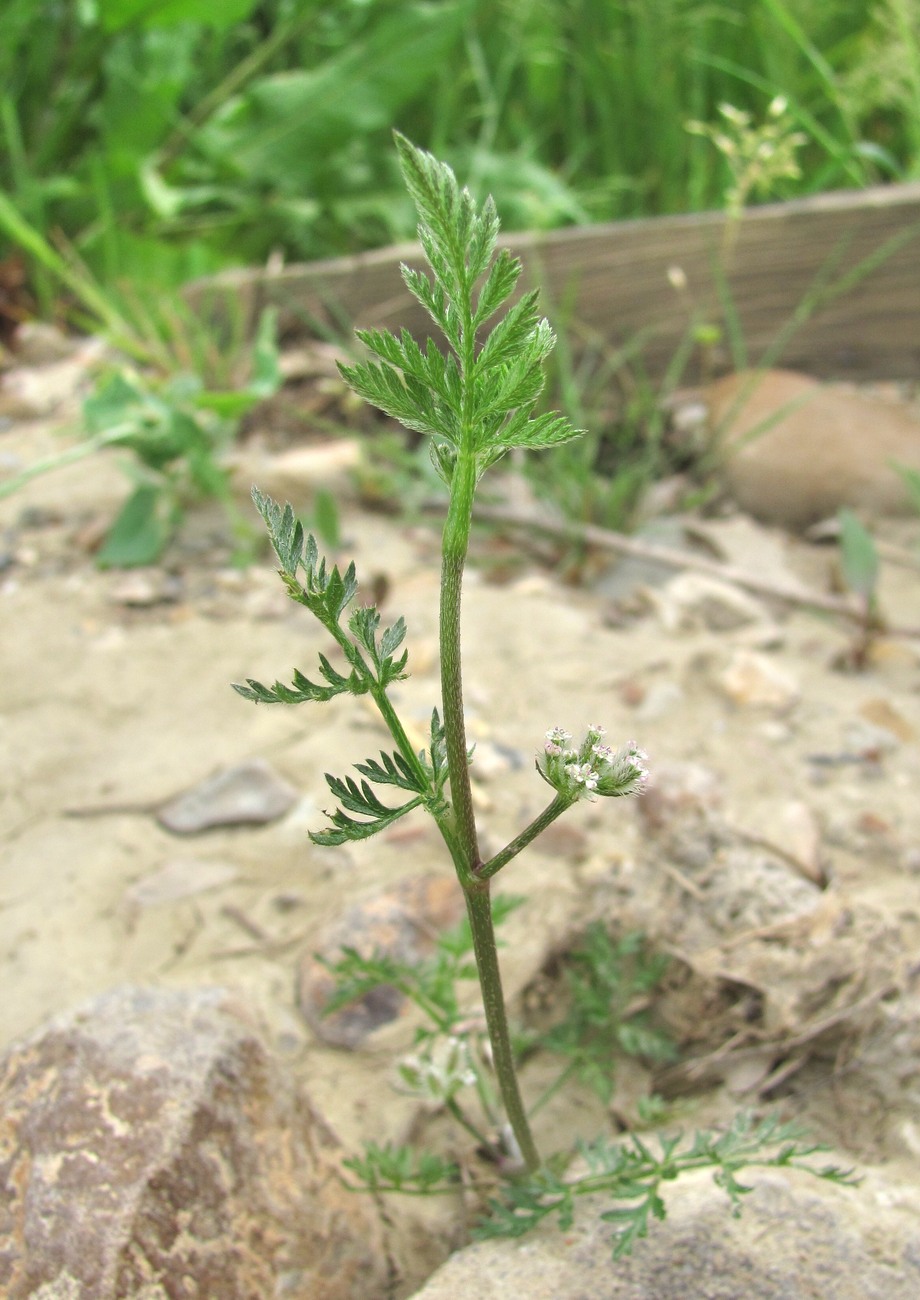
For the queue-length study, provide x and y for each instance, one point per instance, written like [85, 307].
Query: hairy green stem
[479, 910]
[467, 860]
[453, 557]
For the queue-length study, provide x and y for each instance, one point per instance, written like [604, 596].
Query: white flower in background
[439, 1073]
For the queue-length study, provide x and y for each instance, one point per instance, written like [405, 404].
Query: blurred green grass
[163, 139]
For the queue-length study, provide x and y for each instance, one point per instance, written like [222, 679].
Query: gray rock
[251, 793]
[797, 1239]
[150, 1147]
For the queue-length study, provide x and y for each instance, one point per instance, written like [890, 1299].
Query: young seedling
[859, 565]
[475, 401]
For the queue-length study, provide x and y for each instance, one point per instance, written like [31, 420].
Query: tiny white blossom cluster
[439, 1074]
[593, 768]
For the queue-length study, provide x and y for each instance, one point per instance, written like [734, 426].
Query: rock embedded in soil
[794, 451]
[251, 793]
[796, 1238]
[754, 680]
[150, 1146]
[694, 600]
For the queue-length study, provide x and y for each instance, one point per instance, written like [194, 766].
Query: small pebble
[753, 680]
[251, 793]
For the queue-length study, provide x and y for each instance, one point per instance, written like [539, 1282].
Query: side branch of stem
[527, 836]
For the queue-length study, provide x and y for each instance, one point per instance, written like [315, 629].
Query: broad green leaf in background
[140, 531]
[286, 127]
[116, 14]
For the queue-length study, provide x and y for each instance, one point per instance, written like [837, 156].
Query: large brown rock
[793, 451]
[151, 1147]
[796, 1239]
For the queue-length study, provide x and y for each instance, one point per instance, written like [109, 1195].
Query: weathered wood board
[614, 280]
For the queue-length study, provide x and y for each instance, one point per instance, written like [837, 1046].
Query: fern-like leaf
[362, 800]
[392, 770]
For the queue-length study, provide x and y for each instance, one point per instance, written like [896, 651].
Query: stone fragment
[753, 680]
[180, 878]
[631, 574]
[826, 447]
[879, 712]
[745, 544]
[491, 761]
[660, 700]
[295, 475]
[799, 834]
[40, 344]
[251, 793]
[868, 740]
[30, 392]
[401, 923]
[745, 889]
[564, 841]
[151, 1147]
[796, 1238]
[695, 600]
[144, 587]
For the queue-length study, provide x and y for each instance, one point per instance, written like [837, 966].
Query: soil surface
[798, 990]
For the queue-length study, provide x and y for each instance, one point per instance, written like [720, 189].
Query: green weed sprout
[475, 401]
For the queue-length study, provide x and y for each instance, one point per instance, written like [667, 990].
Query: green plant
[859, 567]
[176, 429]
[609, 984]
[475, 401]
[605, 1016]
[758, 156]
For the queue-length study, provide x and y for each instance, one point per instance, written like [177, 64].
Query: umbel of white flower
[593, 768]
[441, 1072]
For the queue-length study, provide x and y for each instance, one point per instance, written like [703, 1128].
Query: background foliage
[161, 139]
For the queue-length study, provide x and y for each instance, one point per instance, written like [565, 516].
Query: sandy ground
[110, 705]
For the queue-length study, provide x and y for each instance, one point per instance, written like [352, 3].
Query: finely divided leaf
[447, 213]
[326, 593]
[436, 303]
[402, 1169]
[359, 799]
[512, 335]
[363, 626]
[482, 240]
[303, 690]
[392, 769]
[461, 399]
[284, 530]
[402, 398]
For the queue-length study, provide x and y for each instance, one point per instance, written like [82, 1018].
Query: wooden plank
[616, 279]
